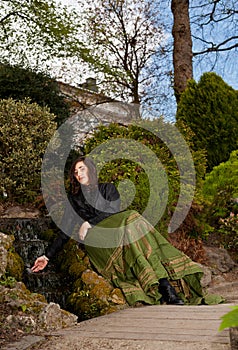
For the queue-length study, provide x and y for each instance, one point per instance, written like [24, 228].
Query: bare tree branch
[217, 47]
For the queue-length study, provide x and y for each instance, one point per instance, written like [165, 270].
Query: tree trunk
[182, 48]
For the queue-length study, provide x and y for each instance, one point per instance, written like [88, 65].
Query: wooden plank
[165, 312]
[176, 310]
[197, 324]
[194, 326]
[171, 316]
[160, 330]
[222, 339]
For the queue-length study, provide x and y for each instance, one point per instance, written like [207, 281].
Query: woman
[124, 247]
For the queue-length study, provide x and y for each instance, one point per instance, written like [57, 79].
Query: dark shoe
[169, 294]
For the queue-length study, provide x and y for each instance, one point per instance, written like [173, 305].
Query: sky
[228, 71]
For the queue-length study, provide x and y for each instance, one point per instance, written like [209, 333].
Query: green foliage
[210, 109]
[230, 319]
[18, 83]
[221, 188]
[23, 307]
[220, 192]
[228, 229]
[25, 129]
[138, 166]
[8, 281]
[30, 29]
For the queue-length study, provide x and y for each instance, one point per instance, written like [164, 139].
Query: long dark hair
[92, 173]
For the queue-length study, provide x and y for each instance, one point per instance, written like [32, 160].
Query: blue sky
[225, 66]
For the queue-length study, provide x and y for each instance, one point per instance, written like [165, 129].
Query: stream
[28, 244]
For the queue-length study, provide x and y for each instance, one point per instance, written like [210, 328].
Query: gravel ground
[74, 343]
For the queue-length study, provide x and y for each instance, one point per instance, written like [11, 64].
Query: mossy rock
[21, 295]
[15, 265]
[70, 255]
[91, 294]
[94, 296]
[6, 240]
[76, 269]
[117, 297]
[99, 287]
[78, 285]
[84, 305]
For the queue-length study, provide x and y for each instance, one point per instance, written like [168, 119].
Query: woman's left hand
[84, 230]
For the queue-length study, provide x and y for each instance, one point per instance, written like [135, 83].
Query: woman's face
[81, 173]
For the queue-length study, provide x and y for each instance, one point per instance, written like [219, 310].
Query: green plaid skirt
[129, 252]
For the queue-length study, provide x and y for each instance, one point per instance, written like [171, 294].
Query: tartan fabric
[127, 250]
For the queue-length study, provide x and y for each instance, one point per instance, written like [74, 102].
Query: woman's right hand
[40, 263]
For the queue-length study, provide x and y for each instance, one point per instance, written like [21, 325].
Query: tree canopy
[33, 31]
[126, 38]
[19, 83]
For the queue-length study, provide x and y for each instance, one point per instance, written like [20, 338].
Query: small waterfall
[29, 245]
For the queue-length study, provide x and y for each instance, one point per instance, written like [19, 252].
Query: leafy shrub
[19, 83]
[220, 192]
[210, 109]
[25, 129]
[123, 170]
[228, 228]
[220, 189]
[230, 319]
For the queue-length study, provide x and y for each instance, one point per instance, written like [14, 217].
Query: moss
[86, 261]
[76, 269]
[84, 305]
[22, 295]
[80, 253]
[91, 294]
[70, 255]
[48, 235]
[78, 285]
[117, 297]
[101, 292]
[15, 265]
[109, 310]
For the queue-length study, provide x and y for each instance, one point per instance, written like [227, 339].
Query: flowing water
[29, 245]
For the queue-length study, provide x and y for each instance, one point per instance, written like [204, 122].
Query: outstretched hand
[39, 264]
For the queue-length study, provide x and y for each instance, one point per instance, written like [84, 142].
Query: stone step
[229, 290]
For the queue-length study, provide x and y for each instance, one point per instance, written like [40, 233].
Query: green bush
[210, 109]
[230, 319]
[220, 192]
[25, 129]
[19, 83]
[121, 170]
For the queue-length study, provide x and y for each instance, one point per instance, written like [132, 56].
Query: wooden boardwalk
[180, 327]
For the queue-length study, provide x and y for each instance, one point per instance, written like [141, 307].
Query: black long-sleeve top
[92, 204]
